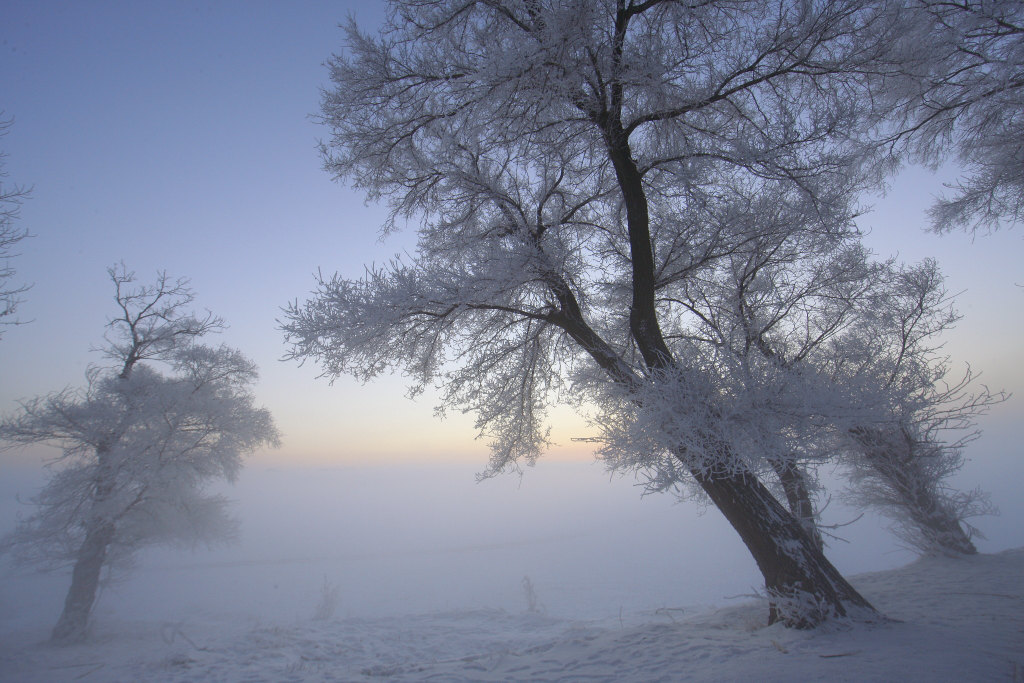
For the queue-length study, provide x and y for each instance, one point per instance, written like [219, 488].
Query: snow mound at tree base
[952, 619]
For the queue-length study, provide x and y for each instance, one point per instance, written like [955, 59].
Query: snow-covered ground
[419, 574]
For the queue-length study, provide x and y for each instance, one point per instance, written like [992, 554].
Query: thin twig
[90, 672]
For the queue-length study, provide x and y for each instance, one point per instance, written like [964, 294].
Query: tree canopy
[138, 444]
[582, 173]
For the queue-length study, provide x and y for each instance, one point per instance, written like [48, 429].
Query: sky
[179, 136]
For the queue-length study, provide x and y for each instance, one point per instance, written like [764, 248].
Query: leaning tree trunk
[898, 461]
[945, 532]
[937, 526]
[85, 578]
[798, 497]
[92, 555]
[804, 588]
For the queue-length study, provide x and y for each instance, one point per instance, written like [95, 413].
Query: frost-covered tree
[10, 234]
[762, 315]
[859, 341]
[569, 161]
[902, 463]
[961, 97]
[138, 443]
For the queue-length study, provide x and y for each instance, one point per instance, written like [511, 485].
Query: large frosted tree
[568, 162]
[138, 443]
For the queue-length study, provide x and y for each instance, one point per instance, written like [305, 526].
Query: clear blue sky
[178, 136]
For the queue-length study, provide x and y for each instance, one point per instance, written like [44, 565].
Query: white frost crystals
[960, 92]
[576, 169]
[10, 235]
[138, 444]
[645, 209]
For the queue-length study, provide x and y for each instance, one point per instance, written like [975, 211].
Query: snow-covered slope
[952, 620]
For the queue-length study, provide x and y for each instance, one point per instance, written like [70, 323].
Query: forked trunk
[803, 587]
[71, 627]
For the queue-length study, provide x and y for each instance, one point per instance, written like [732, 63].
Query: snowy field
[417, 573]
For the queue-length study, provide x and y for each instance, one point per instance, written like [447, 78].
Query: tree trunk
[939, 528]
[71, 627]
[798, 496]
[899, 461]
[947, 534]
[803, 587]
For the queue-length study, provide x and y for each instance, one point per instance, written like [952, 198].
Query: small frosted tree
[138, 443]
[10, 235]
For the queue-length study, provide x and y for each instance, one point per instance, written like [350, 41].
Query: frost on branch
[139, 443]
[476, 337]
[902, 463]
[701, 420]
[959, 92]
[803, 350]
[10, 235]
[582, 174]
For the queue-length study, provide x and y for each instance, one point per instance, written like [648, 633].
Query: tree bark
[947, 534]
[798, 496]
[804, 588]
[939, 528]
[71, 627]
[896, 460]
[92, 555]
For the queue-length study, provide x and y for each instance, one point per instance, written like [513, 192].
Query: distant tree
[10, 235]
[139, 443]
[961, 93]
[570, 162]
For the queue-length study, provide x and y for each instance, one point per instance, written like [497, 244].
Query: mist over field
[769, 249]
[400, 570]
[412, 538]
